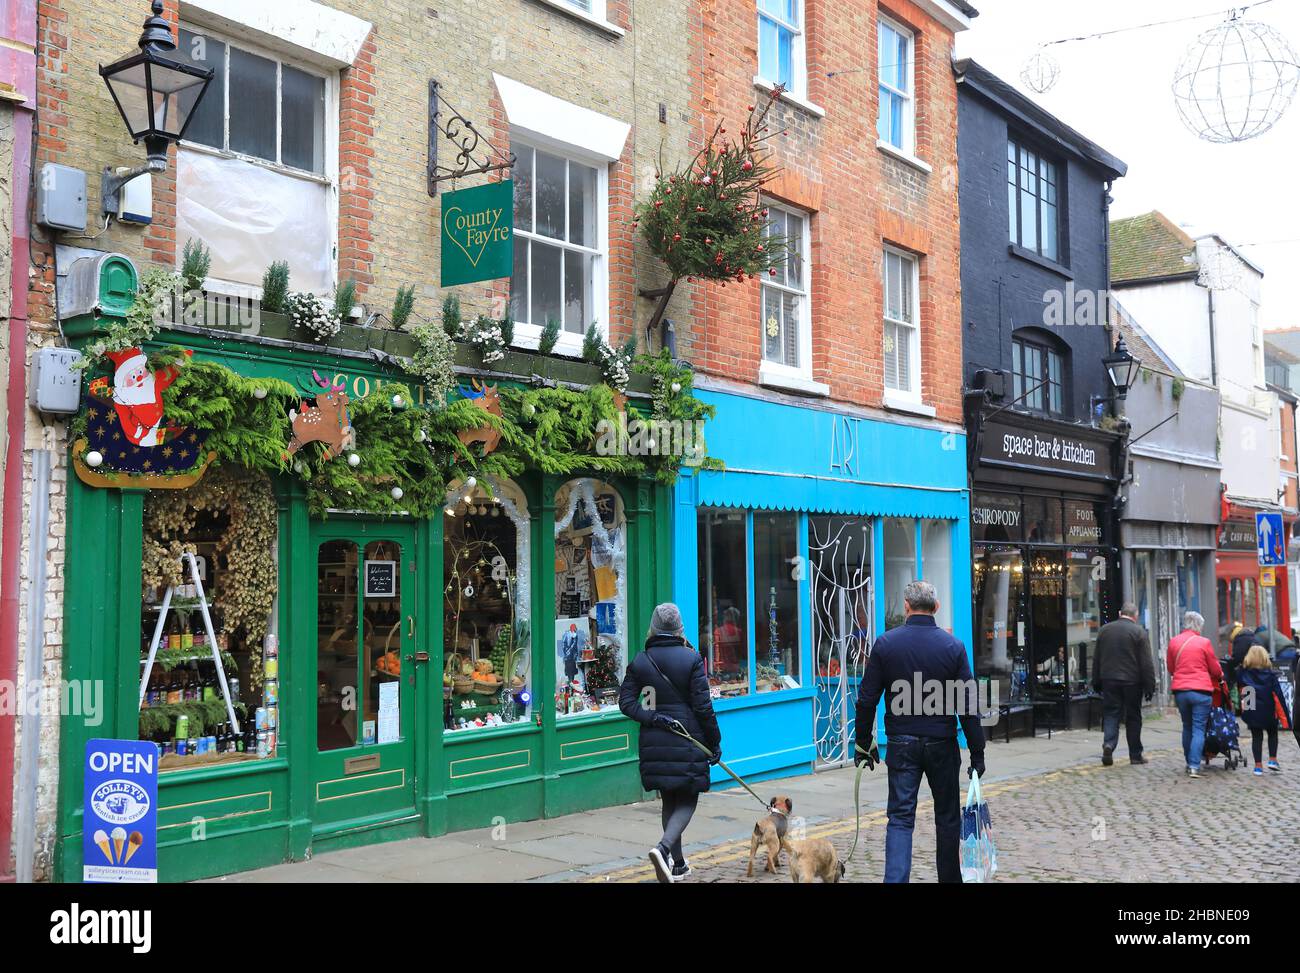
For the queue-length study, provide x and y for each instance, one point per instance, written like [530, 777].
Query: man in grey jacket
[1123, 672]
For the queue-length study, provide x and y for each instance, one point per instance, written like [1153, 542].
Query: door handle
[421, 657]
[410, 626]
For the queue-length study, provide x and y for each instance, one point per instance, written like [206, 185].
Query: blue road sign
[121, 811]
[1270, 540]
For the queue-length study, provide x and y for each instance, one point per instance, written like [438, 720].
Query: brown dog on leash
[770, 833]
[814, 858]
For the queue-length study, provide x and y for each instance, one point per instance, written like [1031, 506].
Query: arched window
[591, 625]
[486, 632]
[1039, 371]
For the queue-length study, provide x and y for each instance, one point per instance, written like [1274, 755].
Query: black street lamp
[1122, 368]
[156, 95]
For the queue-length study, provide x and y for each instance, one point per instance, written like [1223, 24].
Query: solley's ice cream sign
[1006, 445]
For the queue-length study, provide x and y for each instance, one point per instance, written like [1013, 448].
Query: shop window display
[227, 524]
[1082, 619]
[936, 566]
[999, 621]
[486, 630]
[776, 588]
[591, 625]
[724, 605]
[900, 567]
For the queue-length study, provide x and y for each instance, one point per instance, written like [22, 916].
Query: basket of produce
[486, 684]
[462, 685]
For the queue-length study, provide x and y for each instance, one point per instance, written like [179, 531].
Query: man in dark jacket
[925, 675]
[664, 685]
[1123, 672]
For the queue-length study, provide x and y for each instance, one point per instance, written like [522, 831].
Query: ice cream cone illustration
[133, 844]
[119, 839]
[101, 839]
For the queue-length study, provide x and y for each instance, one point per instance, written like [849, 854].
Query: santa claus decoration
[138, 397]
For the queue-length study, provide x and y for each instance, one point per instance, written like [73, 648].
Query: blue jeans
[1194, 707]
[939, 760]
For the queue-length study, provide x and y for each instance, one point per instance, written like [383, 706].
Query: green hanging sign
[477, 233]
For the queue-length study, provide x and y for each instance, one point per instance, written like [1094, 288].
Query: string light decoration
[1041, 72]
[1235, 81]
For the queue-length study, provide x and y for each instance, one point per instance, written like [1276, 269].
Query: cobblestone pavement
[1087, 823]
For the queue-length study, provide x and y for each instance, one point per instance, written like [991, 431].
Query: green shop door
[366, 635]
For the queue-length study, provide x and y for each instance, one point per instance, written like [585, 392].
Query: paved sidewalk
[1047, 796]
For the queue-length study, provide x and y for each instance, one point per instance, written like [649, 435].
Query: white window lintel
[302, 29]
[539, 115]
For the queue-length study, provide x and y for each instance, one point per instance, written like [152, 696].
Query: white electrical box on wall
[56, 382]
[135, 200]
[61, 198]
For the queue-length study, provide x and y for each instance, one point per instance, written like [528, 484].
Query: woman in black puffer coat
[671, 764]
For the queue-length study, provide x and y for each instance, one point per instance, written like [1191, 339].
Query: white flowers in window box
[313, 315]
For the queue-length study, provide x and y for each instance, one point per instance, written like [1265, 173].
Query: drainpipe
[18, 33]
[1214, 360]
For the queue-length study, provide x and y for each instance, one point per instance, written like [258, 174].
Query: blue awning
[812, 494]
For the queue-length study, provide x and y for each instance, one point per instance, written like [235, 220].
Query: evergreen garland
[406, 455]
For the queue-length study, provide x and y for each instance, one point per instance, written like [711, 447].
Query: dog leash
[857, 798]
[680, 730]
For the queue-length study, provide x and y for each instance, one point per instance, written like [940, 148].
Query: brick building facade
[837, 379]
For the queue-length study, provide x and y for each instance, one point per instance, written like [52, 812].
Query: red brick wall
[859, 197]
[356, 153]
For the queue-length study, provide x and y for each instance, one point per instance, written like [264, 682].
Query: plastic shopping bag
[979, 855]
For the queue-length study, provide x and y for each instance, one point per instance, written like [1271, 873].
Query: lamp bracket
[111, 183]
[445, 122]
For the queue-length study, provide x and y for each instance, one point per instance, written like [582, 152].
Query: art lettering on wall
[128, 433]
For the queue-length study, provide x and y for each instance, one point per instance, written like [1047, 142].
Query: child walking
[1261, 701]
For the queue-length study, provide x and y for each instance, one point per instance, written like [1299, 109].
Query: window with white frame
[257, 105]
[560, 266]
[594, 7]
[787, 331]
[255, 173]
[781, 44]
[897, 122]
[902, 332]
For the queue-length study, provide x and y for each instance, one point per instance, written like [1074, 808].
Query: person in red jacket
[1194, 675]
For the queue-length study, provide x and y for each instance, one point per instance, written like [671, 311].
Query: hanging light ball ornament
[94, 459]
[259, 393]
[420, 435]
[471, 482]
[396, 493]
[354, 459]
[1040, 72]
[1235, 81]
[398, 401]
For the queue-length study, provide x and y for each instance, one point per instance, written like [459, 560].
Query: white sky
[1116, 91]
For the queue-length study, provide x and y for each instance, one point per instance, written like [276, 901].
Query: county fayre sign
[1007, 445]
[477, 233]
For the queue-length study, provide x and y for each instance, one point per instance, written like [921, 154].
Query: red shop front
[1241, 596]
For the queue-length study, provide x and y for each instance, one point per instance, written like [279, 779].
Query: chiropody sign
[121, 811]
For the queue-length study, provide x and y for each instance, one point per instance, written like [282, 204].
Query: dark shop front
[1045, 568]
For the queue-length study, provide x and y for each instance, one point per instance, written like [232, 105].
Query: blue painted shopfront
[792, 470]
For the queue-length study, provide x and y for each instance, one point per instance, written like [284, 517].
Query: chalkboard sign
[381, 579]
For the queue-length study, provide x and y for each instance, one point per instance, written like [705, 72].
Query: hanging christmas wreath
[708, 220]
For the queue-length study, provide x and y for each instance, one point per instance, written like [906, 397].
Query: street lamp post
[1121, 370]
[156, 95]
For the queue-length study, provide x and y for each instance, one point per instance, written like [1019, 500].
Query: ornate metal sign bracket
[447, 123]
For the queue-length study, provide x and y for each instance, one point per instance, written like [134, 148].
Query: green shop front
[342, 648]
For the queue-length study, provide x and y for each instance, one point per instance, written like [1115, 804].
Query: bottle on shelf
[174, 686]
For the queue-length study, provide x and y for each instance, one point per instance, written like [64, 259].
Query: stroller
[1221, 733]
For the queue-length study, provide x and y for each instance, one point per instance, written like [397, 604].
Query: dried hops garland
[250, 580]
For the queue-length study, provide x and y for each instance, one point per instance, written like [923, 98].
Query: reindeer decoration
[326, 422]
[486, 398]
